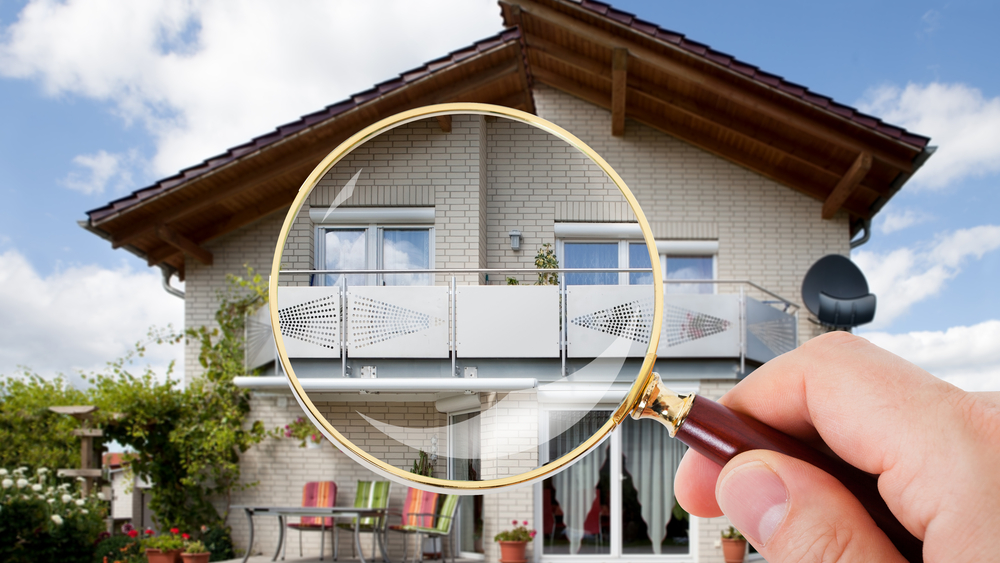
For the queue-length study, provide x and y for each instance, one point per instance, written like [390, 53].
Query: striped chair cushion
[418, 509]
[318, 493]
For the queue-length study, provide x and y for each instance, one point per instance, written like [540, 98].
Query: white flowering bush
[44, 519]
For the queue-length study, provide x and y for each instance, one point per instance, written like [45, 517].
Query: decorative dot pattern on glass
[632, 320]
[374, 321]
[778, 334]
[684, 325]
[314, 321]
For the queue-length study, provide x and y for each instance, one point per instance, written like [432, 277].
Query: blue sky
[102, 97]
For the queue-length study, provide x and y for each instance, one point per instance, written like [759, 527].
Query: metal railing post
[454, 332]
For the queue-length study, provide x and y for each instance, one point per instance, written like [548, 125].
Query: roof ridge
[753, 72]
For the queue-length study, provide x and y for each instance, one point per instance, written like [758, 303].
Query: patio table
[282, 512]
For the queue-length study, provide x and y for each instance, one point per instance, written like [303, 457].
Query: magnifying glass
[473, 288]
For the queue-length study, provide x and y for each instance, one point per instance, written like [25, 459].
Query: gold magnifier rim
[434, 483]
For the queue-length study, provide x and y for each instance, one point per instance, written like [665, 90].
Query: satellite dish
[836, 291]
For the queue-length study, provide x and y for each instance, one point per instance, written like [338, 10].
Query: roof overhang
[636, 70]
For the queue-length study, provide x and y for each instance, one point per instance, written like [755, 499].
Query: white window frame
[625, 233]
[373, 220]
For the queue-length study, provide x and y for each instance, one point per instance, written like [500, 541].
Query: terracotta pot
[513, 551]
[734, 551]
[196, 557]
[157, 556]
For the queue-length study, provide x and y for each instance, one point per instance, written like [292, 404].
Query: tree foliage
[31, 434]
[187, 442]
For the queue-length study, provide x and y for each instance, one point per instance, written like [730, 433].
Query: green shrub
[115, 548]
[219, 541]
[43, 521]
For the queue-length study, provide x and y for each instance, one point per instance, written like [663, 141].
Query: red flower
[175, 531]
[514, 522]
[149, 531]
[186, 536]
[525, 523]
[531, 533]
[133, 533]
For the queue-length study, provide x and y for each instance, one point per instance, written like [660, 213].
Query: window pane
[345, 250]
[406, 249]
[591, 255]
[576, 501]
[651, 521]
[690, 268]
[638, 257]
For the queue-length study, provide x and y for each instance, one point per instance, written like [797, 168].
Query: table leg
[281, 536]
[357, 540]
[249, 514]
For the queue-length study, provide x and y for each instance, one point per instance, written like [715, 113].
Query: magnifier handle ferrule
[720, 434]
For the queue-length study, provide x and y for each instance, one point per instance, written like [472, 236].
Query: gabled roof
[588, 49]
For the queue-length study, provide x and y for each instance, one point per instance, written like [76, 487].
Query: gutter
[894, 187]
[165, 268]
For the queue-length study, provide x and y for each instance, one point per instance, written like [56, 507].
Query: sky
[102, 97]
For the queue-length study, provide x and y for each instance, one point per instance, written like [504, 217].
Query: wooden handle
[720, 433]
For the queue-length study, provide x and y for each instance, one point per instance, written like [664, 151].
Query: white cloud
[967, 356]
[959, 119]
[906, 276]
[101, 169]
[893, 221]
[80, 317]
[203, 76]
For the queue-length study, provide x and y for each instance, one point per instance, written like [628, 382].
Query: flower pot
[157, 556]
[513, 551]
[196, 557]
[734, 551]
[313, 445]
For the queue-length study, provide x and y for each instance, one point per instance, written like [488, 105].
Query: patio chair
[316, 493]
[418, 512]
[442, 526]
[370, 494]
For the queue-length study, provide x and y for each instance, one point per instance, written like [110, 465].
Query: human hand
[935, 448]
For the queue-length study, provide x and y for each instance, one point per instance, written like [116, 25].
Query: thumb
[792, 511]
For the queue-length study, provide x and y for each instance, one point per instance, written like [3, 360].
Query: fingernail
[755, 500]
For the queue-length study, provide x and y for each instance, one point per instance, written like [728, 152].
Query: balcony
[438, 338]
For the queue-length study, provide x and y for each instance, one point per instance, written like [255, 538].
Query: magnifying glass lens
[464, 297]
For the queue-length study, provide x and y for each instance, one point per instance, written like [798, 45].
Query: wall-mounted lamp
[515, 239]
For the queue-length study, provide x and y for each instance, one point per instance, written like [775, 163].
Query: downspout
[167, 272]
[901, 179]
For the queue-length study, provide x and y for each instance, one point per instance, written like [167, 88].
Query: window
[620, 246]
[375, 248]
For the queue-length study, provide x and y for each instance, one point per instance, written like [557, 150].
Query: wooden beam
[742, 95]
[444, 121]
[711, 145]
[186, 245]
[847, 185]
[619, 82]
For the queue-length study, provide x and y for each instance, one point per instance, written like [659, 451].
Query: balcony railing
[738, 320]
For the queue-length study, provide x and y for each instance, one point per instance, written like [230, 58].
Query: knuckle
[827, 542]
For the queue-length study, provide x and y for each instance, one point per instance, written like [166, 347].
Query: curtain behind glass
[651, 457]
[576, 487]
[591, 255]
[345, 249]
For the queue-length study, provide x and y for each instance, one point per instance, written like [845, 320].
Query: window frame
[373, 233]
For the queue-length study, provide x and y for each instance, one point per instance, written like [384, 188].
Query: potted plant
[514, 543]
[195, 552]
[302, 430]
[164, 548]
[734, 545]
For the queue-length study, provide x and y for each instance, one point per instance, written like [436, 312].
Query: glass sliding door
[465, 466]
[618, 501]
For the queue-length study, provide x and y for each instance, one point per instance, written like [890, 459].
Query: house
[129, 496]
[745, 178]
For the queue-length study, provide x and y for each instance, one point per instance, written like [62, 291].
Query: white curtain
[576, 487]
[651, 457]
